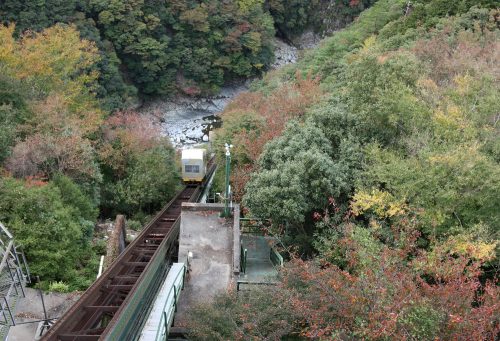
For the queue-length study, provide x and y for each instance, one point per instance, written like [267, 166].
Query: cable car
[194, 165]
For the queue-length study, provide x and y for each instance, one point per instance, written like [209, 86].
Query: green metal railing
[253, 226]
[243, 259]
[133, 314]
[170, 306]
[276, 258]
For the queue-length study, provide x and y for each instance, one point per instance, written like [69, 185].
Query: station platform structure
[214, 256]
[207, 239]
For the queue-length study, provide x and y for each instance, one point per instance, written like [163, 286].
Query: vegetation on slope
[64, 158]
[159, 48]
[67, 68]
[386, 181]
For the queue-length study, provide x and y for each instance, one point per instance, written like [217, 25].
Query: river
[188, 120]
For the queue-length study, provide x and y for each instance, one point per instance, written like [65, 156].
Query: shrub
[134, 225]
[59, 287]
[140, 172]
[51, 232]
[256, 314]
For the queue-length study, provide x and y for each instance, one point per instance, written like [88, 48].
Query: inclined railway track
[114, 307]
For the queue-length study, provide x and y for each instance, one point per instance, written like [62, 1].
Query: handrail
[244, 253]
[115, 326]
[7, 232]
[172, 297]
[14, 272]
[6, 253]
[275, 257]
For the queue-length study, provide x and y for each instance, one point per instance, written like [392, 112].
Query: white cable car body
[194, 165]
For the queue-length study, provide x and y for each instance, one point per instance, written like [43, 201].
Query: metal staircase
[14, 275]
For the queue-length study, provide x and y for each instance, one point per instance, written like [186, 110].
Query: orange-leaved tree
[262, 117]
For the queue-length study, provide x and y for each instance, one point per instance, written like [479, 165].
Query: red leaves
[126, 134]
[192, 90]
[47, 154]
[353, 3]
[288, 101]
[57, 140]
[317, 216]
[449, 57]
[331, 201]
[36, 181]
[390, 300]
[244, 27]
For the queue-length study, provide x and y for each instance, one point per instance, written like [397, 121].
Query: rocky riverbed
[188, 120]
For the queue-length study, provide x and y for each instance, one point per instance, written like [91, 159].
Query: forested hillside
[163, 47]
[64, 159]
[70, 148]
[376, 159]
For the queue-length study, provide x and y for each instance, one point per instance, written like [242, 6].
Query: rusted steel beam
[77, 337]
[125, 278]
[121, 286]
[100, 306]
[136, 264]
[150, 246]
[106, 308]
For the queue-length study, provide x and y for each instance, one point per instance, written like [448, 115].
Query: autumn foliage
[125, 135]
[406, 132]
[385, 294]
[396, 290]
[270, 114]
[63, 154]
[390, 301]
[138, 164]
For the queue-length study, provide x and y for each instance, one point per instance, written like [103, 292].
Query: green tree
[72, 196]
[138, 164]
[52, 233]
[455, 188]
[296, 176]
[150, 182]
[13, 112]
[36, 15]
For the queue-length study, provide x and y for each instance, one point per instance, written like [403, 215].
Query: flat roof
[193, 154]
[210, 239]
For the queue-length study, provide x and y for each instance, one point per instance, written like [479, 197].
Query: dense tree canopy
[67, 68]
[191, 46]
[69, 160]
[375, 158]
[408, 121]
[53, 223]
[387, 184]
[296, 175]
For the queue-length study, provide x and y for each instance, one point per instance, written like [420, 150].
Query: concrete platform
[29, 308]
[259, 271]
[210, 239]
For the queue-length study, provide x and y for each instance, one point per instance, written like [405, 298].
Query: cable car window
[192, 168]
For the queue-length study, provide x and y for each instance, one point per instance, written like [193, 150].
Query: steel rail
[97, 315]
[92, 315]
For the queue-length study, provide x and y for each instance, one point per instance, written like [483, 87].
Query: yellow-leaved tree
[55, 60]
[56, 69]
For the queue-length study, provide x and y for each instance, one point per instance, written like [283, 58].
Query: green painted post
[165, 325]
[227, 214]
